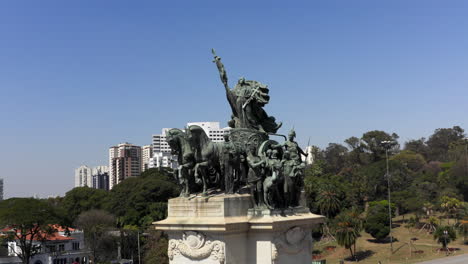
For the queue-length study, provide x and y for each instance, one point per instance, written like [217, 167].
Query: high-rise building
[309, 150]
[100, 176]
[124, 162]
[101, 181]
[83, 176]
[1, 189]
[162, 156]
[146, 155]
[212, 130]
[163, 159]
[100, 169]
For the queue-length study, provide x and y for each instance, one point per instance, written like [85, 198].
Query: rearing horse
[207, 157]
[180, 145]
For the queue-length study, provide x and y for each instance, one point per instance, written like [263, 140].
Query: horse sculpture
[180, 146]
[207, 158]
[198, 156]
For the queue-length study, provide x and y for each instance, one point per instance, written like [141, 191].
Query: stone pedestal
[222, 229]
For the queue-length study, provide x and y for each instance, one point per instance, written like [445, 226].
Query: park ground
[423, 247]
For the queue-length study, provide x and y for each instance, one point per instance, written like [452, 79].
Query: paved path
[461, 259]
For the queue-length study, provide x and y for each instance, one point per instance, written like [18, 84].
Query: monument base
[223, 229]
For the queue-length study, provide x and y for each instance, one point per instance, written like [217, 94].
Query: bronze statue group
[273, 173]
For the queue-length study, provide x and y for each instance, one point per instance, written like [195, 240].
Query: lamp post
[445, 240]
[387, 145]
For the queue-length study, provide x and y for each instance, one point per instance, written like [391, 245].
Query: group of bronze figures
[273, 172]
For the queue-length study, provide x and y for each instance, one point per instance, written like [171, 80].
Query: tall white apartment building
[162, 152]
[146, 155]
[124, 162]
[83, 176]
[100, 169]
[163, 159]
[212, 129]
[309, 150]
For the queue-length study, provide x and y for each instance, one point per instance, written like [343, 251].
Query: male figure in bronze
[256, 176]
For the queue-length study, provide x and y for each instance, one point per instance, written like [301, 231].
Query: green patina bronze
[273, 172]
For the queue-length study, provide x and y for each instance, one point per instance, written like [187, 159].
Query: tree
[335, 156]
[371, 142]
[155, 248]
[439, 143]
[417, 146]
[328, 200]
[82, 199]
[357, 155]
[137, 197]
[28, 220]
[96, 225]
[449, 205]
[412, 160]
[377, 222]
[348, 226]
[444, 235]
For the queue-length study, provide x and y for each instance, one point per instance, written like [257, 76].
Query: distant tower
[1, 189]
[162, 156]
[310, 150]
[101, 177]
[124, 162]
[83, 176]
[146, 155]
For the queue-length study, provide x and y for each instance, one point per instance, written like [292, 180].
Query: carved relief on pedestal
[194, 245]
[291, 242]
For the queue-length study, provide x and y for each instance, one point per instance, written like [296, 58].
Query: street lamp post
[445, 240]
[387, 145]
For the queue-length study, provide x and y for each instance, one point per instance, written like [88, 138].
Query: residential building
[309, 150]
[162, 152]
[101, 181]
[212, 130]
[57, 248]
[124, 162]
[163, 159]
[100, 175]
[83, 176]
[100, 169]
[146, 155]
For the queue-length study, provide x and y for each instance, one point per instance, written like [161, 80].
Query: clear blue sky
[79, 76]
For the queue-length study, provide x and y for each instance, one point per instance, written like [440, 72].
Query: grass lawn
[424, 248]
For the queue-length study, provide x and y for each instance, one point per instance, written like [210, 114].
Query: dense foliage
[425, 176]
[444, 235]
[26, 220]
[346, 182]
[121, 216]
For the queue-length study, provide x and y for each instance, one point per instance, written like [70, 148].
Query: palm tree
[348, 227]
[328, 200]
[444, 235]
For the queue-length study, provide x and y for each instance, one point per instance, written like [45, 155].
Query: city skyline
[81, 77]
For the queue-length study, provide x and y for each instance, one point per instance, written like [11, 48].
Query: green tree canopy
[96, 225]
[439, 143]
[29, 220]
[372, 143]
[136, 198]
[377, 222]
[444, 235]
[81, 199]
